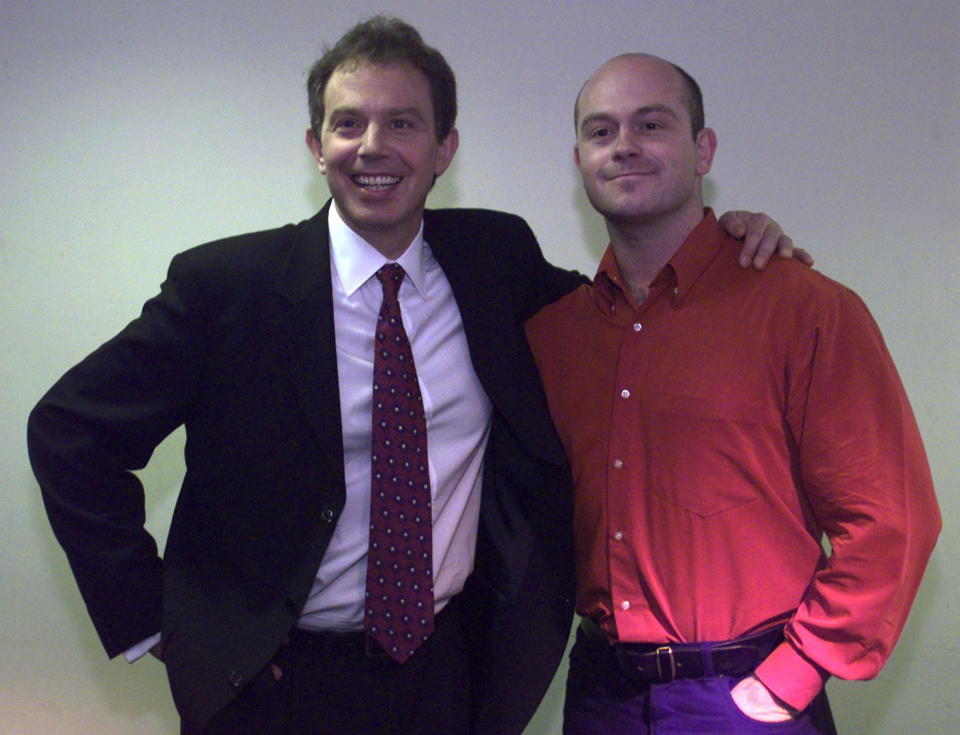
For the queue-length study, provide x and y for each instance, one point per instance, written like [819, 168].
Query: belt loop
[706, 658]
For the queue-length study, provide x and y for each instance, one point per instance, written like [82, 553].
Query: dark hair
[694, 100]
[382, 40]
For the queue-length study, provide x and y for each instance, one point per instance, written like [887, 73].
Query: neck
[391, 241]
[642, 249]
[391, 244]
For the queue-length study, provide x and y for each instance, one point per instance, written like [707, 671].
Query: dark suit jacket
[239, 347]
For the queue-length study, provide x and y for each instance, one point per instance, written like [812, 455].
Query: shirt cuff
[141, 649]
[791, 677]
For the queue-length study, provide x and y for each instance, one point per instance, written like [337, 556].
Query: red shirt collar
[683, 269]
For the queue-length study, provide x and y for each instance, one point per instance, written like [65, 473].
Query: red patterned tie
[399, 596]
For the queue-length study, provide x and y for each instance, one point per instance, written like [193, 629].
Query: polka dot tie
[399, 596]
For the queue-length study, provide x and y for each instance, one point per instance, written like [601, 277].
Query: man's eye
[600, 132]
[650, 125]
[402, 124]
[344, 124]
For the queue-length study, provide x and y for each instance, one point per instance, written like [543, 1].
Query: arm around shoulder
[542, 282]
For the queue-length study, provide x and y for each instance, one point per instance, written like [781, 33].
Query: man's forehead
[631, 82]
[362, 67]
[636, 76]
[395, 86]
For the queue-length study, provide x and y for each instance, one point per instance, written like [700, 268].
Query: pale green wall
[132, 130]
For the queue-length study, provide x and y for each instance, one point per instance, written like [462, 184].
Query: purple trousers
[601, 700]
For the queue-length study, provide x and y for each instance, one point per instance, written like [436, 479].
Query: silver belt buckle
[668, 652]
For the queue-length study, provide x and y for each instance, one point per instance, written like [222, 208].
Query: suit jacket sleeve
[541, 282]
[99, 422]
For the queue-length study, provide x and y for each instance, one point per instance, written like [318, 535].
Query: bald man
[718, 423]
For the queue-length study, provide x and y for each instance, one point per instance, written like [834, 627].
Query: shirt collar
[356, 261]
[683, 269]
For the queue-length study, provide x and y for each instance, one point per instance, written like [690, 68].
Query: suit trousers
[601, 700]
[345, 690]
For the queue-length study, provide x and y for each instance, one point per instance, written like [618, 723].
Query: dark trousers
[602, 700]
[340, 688]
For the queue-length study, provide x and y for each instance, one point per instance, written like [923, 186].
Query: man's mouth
[612, 175]
[376, 183]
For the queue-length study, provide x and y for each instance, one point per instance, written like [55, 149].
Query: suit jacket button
[236, 679]
[327, 515]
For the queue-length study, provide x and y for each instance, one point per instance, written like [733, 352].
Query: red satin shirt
[716, 432]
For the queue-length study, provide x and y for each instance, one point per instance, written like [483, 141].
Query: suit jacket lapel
[305, 337]
[494, 336]
[484, 306]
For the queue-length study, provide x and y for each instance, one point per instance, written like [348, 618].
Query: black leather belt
[658, 663]
[336, 645]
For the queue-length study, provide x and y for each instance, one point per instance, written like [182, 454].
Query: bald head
[665, 71]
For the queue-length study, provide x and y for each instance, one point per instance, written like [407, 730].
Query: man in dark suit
[262, 345]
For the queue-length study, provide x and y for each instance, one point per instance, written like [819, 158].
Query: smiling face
[379, 151]
[636, 151]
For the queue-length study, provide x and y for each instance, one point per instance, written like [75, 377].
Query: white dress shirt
[458, 421]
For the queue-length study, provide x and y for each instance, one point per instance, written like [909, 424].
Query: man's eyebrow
[639, 112]
[390, 112]
[650, 109]
[595, 117]
[412, 111]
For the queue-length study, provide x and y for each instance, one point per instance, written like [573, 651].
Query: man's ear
[315, 150]
[706, 148]
[576, 156]
[448, 148]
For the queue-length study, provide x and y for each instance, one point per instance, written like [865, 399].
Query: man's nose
[626, 145]
[372, 143]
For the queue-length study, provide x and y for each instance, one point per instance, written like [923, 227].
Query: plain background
[133, 130]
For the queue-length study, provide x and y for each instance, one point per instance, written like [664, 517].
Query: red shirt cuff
[791, 677]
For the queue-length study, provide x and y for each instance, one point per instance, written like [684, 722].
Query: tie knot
[391, 276]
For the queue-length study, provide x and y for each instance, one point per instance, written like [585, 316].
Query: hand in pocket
[759, 703]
